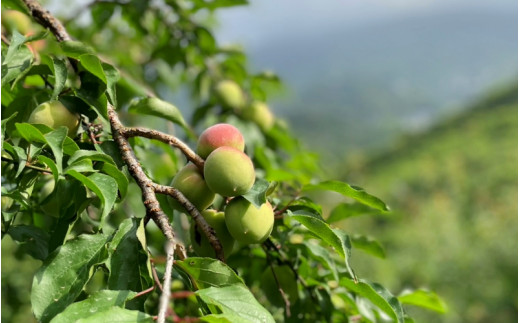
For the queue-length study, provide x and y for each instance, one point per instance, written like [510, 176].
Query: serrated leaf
[257, 193]
[423, 298]
[335, 238]
[354, 192]
[33, 240]
[81, 166]
[368, 245]
[159, 108]
[236, 300]
[90, 154]
[97, 302]
[208, 272]
[75, 49]
[60, 76]
[223, 318]
[128, 259]
[347, 210]
[117, 314]
[378, 295]
[119, 176]
[104, 186]
[17, 40]
[64, 273]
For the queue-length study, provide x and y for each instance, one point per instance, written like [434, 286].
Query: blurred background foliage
[415, 103]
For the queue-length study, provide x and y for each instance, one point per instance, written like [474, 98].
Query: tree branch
[165, 296]
[47, 20]
[197, 217]
[168, 139]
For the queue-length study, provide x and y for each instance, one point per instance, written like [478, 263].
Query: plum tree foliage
[116, 209]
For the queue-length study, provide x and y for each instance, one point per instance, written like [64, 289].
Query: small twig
[28, 165]
[144, 292]
[165, 296]
[280, 289]
[182, 294]
[168, 139]
[197, 217]
[155, 276]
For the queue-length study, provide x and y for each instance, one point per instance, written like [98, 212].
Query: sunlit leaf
[423, 298]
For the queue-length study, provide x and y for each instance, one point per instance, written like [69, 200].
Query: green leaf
[52, 165]
[128, 260]
[92, 155]
[223, 318]
[323, 256]
[368, 245]
[64, 273]
[118, 314]
[119, 176]
[347, 210]
[75, 49]
[423, 298]
[336, 238]
[55, 140]
[208, 272]
[159, 108]
[19, 63]
[99, 301]
[103, 185]
[17, 40]
[112, 76]
[354, 192]
[33, 240]
[30, 133]
[16, 5]
[92, 64]
[378, 295]
[236, 300]
[81, 166]
[257, 193]
[60, 76]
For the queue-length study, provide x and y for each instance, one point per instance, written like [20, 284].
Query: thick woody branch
[168, 139]
[153, 208]
[197, 217]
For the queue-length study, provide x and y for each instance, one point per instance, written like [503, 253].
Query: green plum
[229, 172]
[54, 114]
[247, 223]
[201, 243]
[191, 184]
[230, 94]
[260, 114]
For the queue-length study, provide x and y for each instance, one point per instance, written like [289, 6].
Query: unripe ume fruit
[201, 243]
[260, 114]
[230, 94]
[191, 184]
[247, 223]
[221, 134]
[54, 114]
[229, 172]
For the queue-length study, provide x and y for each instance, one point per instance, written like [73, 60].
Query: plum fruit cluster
[230, 173]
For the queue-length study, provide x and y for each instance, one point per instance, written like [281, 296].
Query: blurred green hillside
[453, 192]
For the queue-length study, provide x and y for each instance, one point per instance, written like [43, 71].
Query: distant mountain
[361, 87]
[453, 191]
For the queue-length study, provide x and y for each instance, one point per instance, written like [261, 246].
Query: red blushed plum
[219, 135]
